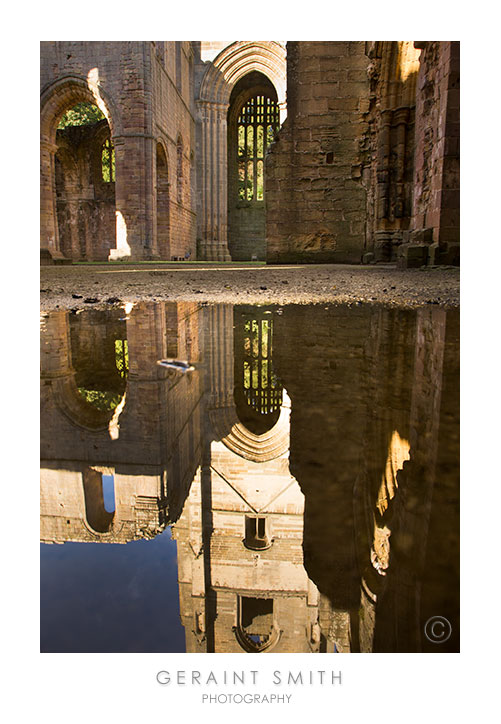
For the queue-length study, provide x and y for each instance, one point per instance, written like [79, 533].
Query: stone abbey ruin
[284, 152]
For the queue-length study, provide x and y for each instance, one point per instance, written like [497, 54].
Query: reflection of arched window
[122, 357]
[256, 533]
[100, 358]
[258, 393]
[108, 483]
[256, 630]
[99, 497]
[257, 124]
[108, 161]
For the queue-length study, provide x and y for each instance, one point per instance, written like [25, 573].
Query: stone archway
[227, 69]
[56, 99]
[253, 121]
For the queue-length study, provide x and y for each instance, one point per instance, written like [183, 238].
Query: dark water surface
[297, 491]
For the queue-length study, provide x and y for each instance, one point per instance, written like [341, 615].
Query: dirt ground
[82, 286]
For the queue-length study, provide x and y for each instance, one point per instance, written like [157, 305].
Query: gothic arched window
[257, 124]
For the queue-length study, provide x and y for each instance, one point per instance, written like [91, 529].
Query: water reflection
[307, 467]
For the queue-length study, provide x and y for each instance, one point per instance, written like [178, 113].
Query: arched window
[257, 124]
[108, 161]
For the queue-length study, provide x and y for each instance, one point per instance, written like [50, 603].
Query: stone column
[221, 375]
[49, 237]
[133, 196]
[400, 121]
[214, 214]
[55, 346]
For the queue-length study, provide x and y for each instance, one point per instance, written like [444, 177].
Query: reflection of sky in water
[109, 493]
[99, 597]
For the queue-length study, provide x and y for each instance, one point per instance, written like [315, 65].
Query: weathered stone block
[412, 256]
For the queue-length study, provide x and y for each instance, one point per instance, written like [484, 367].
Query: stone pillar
[55, 346]
[49, 236]
[383, 166]
[221, 374]
[400, 121]
[133, 197]
[147, 341]
[434, 234]
[214, 214]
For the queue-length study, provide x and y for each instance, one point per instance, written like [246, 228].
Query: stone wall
[366, 167]
[85, 201]
[219, 67]
[435, 222]
[146, 94]
[315, 201]
[388, 148]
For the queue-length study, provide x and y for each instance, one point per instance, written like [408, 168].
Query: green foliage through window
[261, 387]
[122, 356]
[83, 114]
[108, 161]
[258, 122]
[105, 401]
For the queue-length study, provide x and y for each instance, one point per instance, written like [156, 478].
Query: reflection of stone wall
[216, 569]
[328, 399]
[364, 448]
[155, 432]
[140, 500]
[223, 572]
[357, 543]
[93, 351]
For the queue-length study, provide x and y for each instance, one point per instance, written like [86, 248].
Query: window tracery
[257, 124]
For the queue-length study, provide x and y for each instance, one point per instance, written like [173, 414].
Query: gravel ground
[82, 286]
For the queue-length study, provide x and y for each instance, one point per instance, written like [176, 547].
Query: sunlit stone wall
[366, 168]
[145, 90]
[388, 146]
[315, 201]
[436, 176]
